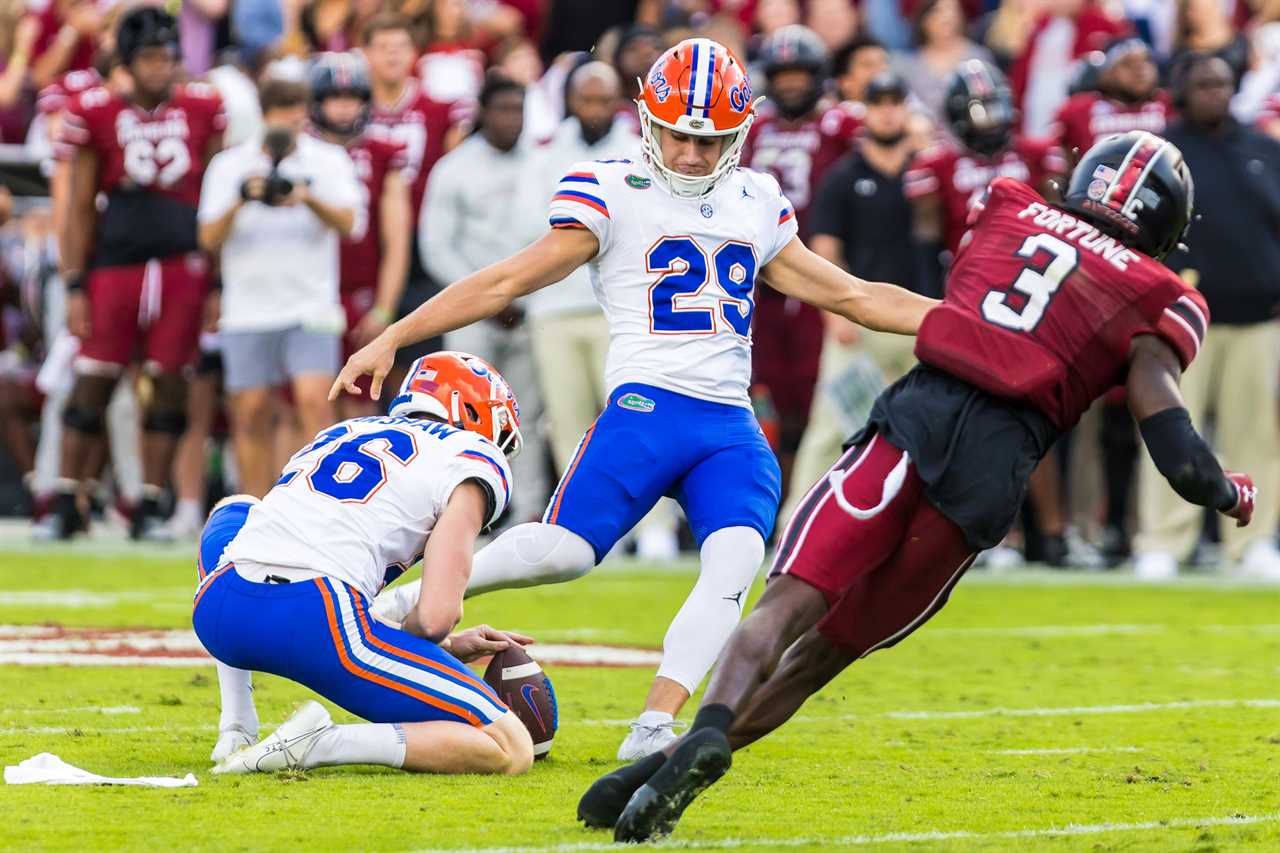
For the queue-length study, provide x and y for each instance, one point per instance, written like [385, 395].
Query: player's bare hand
[371, 325]
[85, 18]
[376, 359]
[78, 314]
[1246, 498]
[482, 640]
[254, 188]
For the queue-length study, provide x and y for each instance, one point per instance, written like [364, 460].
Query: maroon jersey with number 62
[150, 166]
[1041, 307]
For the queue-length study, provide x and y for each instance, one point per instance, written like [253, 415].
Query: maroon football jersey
[359, 259]
[959, 176]
[1041, 307]
[798, 152]
[419, 124]
[55, 96]
[1089, 116]
[160, 150]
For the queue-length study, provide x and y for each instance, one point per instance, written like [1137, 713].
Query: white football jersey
[358, 502]
[676, 276]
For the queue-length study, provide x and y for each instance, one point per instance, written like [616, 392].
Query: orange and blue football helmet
[699, 88]
[465, 391]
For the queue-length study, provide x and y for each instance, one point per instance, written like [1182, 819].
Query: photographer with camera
[273, 209]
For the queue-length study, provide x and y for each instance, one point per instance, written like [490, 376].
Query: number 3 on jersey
[1037, 285]
[684, 275]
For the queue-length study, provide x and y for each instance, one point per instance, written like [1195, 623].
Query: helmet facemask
[690, 186]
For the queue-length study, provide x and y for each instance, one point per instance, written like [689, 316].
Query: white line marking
[1050, 630]
[1066, 750]
[83, 597]
[1073, 829]
[86, 709]
[1139, 708]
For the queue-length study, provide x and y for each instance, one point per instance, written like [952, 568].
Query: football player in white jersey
[674, 245]
[286, 584]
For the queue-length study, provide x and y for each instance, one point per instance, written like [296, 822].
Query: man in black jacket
[1233, 260]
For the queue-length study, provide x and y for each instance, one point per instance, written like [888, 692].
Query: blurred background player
[136, 282]
[372, 269]
[797, 137]
[679, 420]
[1046, 309]
[943, 184]
[286, 582]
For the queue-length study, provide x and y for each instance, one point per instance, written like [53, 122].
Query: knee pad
[167, 412]
[555, 548]
[731, 557]
[83, 418]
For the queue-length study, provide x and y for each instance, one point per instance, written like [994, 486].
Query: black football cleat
[602, 804]
[654, 810]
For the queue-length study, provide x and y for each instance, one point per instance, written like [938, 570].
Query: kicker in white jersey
[676, 276]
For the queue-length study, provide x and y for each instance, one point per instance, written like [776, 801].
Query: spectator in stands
[835, 21]
[570, 335]
[855, 64]
[1004, 31]
[274, 209]
[16, 53]
[1204, 27]
[198, 24]
[638, 48]
[861, 221]
[1233, 257]
[471, 217]
[941, 45]
[68, 29]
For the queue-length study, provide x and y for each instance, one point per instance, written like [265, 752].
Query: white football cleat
[231, 739]
[1261, 561]
[645, 739]
[284, 749]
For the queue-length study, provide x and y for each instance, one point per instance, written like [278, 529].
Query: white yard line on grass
[1065, 750]
[1049, 630]
[79, 598]
[1138, 708]
[893, 837]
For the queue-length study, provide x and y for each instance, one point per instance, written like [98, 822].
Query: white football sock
[731, 557]
[236, 689]
[358, 743]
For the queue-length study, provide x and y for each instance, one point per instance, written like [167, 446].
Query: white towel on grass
[48, 769]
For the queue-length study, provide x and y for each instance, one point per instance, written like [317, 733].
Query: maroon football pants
[867, 538]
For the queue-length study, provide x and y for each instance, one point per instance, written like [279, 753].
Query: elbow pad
[1185, 460]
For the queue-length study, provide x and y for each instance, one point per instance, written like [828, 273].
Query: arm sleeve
[440, 224]
[580, 202]
[787, 225]
[1183, 324]
[477, 459]
[1182, 456]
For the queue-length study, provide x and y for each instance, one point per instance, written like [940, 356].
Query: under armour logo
[1248, 494]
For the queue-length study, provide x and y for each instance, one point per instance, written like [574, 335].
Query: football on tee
[520, 682]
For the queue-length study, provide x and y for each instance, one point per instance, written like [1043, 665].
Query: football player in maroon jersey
[1127, 99]
[1046, 308]
[796, 137]
[373, 269]
[137, 284]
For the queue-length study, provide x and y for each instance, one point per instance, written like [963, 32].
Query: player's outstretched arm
[479, 296]
[446, 563]
[799, 272]
[1178, 451]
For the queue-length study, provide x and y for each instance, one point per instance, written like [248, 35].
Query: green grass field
[1037, 712]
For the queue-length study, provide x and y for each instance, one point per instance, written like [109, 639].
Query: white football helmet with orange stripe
[697, 87]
